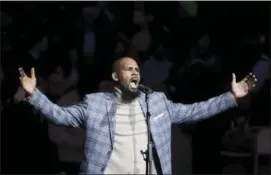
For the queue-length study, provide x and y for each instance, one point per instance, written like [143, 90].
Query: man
[115, 124]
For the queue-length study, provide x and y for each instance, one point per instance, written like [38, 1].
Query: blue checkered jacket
[96, 114]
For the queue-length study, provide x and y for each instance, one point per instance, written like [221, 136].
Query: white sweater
[130, 139]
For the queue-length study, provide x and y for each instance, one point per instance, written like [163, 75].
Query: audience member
[141, 38]
[155, 70]
[69, 141]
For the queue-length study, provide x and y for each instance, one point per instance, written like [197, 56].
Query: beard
[129, 93]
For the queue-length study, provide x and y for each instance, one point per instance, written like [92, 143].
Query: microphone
[145, 89]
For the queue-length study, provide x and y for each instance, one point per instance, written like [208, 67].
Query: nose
[135, 72]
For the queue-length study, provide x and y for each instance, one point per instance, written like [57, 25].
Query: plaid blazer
[96, 114]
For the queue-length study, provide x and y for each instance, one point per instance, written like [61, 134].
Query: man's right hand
[28, 83]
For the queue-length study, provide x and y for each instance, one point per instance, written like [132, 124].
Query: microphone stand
[148, 153]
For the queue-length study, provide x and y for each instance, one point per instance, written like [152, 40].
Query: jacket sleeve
[202, 110]
[73, 116]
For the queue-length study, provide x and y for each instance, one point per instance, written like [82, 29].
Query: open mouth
[134, 80]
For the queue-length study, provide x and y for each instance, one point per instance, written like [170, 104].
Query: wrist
[29, 94]
[234, 96]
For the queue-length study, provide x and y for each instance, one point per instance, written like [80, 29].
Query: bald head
[121, 61]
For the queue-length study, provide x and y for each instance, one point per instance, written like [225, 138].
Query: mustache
[135, 78]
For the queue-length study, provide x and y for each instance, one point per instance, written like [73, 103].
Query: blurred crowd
[186, 49]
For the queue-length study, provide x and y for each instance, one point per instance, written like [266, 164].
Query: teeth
[133, 85]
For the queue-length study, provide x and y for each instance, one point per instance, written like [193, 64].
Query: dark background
[234, 29]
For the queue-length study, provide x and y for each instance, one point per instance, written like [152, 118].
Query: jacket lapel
[142, 102]
[111, 108]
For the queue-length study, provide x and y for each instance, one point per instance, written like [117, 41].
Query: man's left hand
[242, 88]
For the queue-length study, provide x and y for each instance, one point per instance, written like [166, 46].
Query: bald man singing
[115, 122]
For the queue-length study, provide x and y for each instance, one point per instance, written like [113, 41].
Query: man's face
[128, 74]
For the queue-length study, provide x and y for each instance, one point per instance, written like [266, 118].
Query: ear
[115, 76]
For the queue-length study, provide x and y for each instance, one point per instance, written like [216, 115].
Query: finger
[250, 84]
[233, 78]
[252, 80]
[246, 78]
[22, 73]
[252, 77]
[247, 85]
[33, 75]
[249, 76]
[255, 79]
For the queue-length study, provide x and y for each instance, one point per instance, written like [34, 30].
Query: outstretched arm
[198, 111]
[69, 116]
